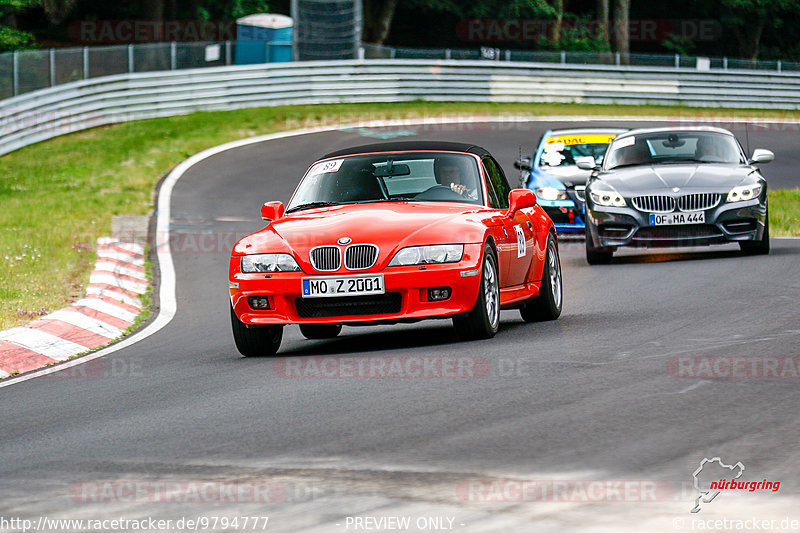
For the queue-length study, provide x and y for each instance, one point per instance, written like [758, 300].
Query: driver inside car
[450, 173]
[708, 149]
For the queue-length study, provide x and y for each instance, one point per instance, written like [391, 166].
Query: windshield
[425, 176]
[564, 150]
[673, 147]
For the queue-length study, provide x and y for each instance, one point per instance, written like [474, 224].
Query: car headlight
[744, 192]
[551, 193]
[269, 263]
[419, 255]
[609, 198]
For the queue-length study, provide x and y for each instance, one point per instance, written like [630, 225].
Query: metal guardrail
[30, 70]
[75, 106]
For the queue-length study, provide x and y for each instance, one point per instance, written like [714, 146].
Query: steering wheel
[439, 192]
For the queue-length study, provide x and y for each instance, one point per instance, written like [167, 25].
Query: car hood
[646, 179]
[390, 226]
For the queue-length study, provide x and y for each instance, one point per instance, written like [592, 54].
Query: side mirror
[272, 211]
[524, 163]
[520, 199]
[586, 163]
[761, 156]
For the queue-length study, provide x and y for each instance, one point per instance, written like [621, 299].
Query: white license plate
[344, 286]
[670, 219]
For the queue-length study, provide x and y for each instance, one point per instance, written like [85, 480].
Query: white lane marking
[166, 293]
[111, 279]
[124, 298]
[119, 256]
[107, 308]
[88, 323]
[119, 269]
[42, 342]
[693, 387]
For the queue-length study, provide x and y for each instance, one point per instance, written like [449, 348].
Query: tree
[603, 13]
[57, 10]
[11, 37]
[748, 19]
[622, 36]
[378, 15]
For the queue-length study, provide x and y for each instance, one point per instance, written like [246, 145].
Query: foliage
[679, 44]
[11, 39]
[241, 8]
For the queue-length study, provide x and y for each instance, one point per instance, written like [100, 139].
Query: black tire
[255, 341]
[547, 306]
[597, 255]
[320, 331]
[760, 247]
[484, 319]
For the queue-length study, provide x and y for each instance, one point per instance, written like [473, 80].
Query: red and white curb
[111, 305]
[168, 304]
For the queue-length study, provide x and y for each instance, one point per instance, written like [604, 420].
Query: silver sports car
[675, 187]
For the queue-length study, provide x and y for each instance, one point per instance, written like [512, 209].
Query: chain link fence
[29, 70]
[371, 51]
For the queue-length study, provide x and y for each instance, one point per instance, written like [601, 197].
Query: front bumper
[567, 215]
[405, 298]
[626, 226]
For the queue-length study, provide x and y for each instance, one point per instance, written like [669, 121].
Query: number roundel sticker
[326, 166]
[521, 243]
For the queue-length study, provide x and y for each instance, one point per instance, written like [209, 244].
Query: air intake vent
[326, 258]
[360, 256]
[698, 202]
[654, 204]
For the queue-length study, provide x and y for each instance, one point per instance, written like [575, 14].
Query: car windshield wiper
[682, 160]
[631, 165]
[311, 205]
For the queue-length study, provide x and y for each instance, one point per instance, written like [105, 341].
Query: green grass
[58, 196]
[784, 212]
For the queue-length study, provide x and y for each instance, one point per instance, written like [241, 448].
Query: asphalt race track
[588, 401]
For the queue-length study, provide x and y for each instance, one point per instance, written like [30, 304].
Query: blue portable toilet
[263, 38]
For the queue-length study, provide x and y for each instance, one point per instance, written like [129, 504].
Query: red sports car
[395, 232]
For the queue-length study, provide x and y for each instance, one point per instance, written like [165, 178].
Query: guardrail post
[617, 58]
[227, 52]
[15, 72]
[677, 61]
[173, 55]
[508, 55]
[779, 65]
[392, 53]
[448, 54]
[130, 58]
[563, 57]
[86, 62]
[724, 63]
[52, 56]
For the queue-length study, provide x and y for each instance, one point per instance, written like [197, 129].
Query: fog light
[438, 293]
[258, 302]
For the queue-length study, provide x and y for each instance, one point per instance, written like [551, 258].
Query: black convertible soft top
[410, 146]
